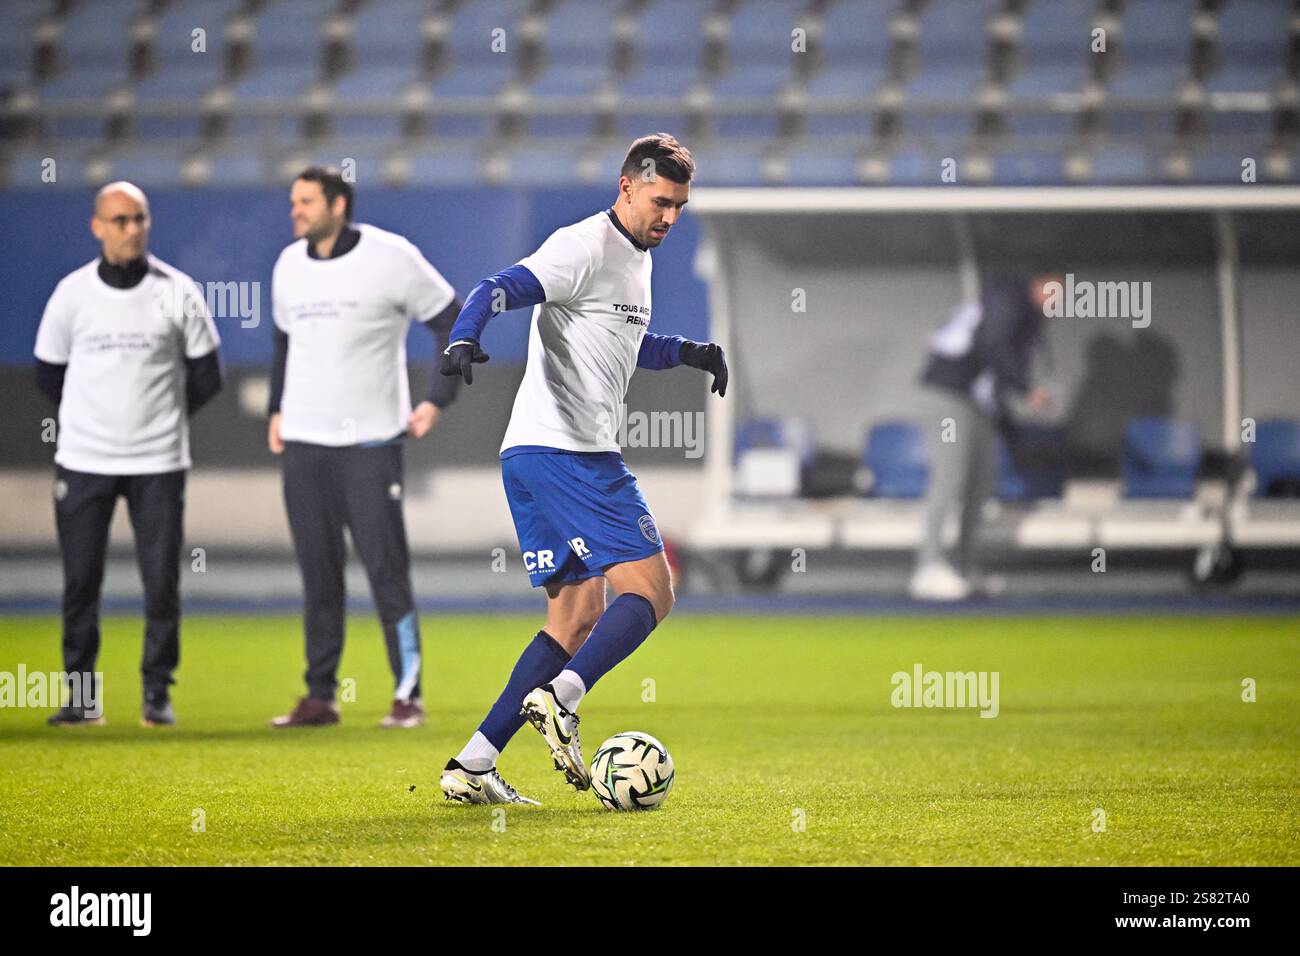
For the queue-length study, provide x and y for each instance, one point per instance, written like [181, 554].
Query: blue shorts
[576, 513]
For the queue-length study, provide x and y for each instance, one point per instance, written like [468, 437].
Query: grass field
[772, 722]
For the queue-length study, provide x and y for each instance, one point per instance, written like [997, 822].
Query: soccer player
[127, 351]
[977, 360]
[342, 297]
[578, 513]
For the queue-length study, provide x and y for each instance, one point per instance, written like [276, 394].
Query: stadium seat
[538, 164]
[1275, 456]
[1224, 166]
[1160, 458]
[857, 32]
[471, 36]
[840, 98]
[670, 33]
[1028, 168]
[578, 32]
[730, 164]
[1254, 32]
[770, 455]
[570, 88]
[388, 34]
[1057, 32]
[1121, 164]
[96, 34]
[18, 22]
[1158, 31]
[446, 167]
[895, 457]
[822, 166]
[952, 31]
[288, 32]
[750, 86]
[759, 32]
[790, 432]
[1040, 474]
[174, 39]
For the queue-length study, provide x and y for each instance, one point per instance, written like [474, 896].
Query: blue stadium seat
[1254, 32]
[1146, 83]
[160, 165]
[790, 432]
[895, 457]
[947, 125]
[857, 31]
[472, 33]
[98, 33]
[1217, 165]
[381, 128]
[732, 164]
[164, 129]
[186, 77]
[1057, 31]
[921, 167]
[1158, 31]
[670, 33]
[579, 32]
[951, 31]
[289, 32]
[1160, 458]
[822, 166]
[955, 83]
[90, 82]
[537, 164]
[1121, 164]
[1041, 83]
[760, 32]
[18, 22]
[1275, 454]
[285, 81]
[851, 87]
[236, 165]
[1040, 122]
[446, 167]
[752, 84]
[375, 83]
[388, 34]
[1045, 480]
[466, 78]
[175, 37]
[1028, 168]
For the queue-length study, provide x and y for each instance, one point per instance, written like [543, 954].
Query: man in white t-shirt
[578, 513]
[128, 351]
[343, 297]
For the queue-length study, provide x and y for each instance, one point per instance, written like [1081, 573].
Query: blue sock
[541, 660]
[620, 631]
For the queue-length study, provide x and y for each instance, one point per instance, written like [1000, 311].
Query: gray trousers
[963, 472]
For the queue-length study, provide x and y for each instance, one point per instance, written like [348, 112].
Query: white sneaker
[464, 786]
[559, 728]
[938, 581]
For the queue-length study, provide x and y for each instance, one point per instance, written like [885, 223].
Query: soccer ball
[631, 771]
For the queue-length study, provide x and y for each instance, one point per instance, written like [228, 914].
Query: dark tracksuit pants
[360, 487]
[83, 510]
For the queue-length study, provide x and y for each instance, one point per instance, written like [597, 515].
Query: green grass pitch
[787, 748]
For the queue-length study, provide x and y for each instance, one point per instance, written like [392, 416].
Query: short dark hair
[669, 158]
[332, 184]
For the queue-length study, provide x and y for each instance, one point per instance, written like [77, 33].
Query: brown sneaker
[310, 712]
[405, 713]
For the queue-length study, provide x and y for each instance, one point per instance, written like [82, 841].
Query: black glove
[709, 357]
[459, 357]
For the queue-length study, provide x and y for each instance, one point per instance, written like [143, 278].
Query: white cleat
[938, 582]
[463, 786]
[560, 729]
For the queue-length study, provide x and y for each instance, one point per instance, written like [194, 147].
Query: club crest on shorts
[60, 489]
[395, 491]
[648, 529]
